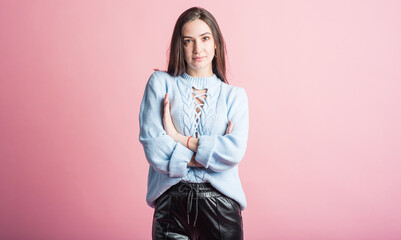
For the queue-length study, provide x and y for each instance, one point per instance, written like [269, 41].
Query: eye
[207, 38]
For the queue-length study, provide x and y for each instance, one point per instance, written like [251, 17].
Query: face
[199, 48]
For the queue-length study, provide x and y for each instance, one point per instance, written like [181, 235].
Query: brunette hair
[177, 64]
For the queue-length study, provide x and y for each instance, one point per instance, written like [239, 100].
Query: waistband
[189, 189]
[203, 190]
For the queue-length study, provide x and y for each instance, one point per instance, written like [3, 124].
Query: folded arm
[163, 153]
[222, 152]
[192, 142]
[217, 152]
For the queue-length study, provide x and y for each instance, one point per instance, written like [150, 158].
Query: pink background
[323, 80]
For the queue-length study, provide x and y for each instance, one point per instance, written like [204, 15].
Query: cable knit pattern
[218, 152]
[205, 120]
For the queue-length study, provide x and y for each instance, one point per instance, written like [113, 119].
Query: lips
[198, 58]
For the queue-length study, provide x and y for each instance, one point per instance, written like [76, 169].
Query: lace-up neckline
[199, 102]
[199, 98]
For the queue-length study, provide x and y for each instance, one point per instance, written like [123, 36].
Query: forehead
[195, 28]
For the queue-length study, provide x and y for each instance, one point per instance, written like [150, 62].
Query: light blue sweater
[218, 152]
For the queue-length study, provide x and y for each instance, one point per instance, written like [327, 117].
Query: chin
[199, 65]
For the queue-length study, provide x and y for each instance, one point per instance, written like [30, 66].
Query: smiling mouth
[198, 58]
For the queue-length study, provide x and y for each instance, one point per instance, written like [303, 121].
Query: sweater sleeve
[219, 153]
[162, 152]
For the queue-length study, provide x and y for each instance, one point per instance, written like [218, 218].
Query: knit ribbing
[200, 82]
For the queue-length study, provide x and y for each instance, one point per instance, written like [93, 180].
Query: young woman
[194, 131]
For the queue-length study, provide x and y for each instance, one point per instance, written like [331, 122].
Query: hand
[167, 120]
[230, 127]
[194, 163]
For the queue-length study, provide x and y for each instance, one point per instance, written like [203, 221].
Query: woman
[187, 119]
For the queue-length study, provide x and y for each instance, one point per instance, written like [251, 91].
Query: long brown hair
[177, 64]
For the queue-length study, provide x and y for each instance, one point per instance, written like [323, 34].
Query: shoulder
[159, 77]
[236, 98]
[234, 92]
[160, 80]
[162, 74]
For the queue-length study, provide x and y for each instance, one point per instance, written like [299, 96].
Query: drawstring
[185, 187]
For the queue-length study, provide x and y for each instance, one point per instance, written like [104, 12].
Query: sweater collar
[200, 82]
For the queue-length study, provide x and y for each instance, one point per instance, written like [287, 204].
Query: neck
[200, 73]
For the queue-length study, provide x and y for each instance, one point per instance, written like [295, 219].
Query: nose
[197, 47]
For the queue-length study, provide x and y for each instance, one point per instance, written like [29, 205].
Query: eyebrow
[199, 35]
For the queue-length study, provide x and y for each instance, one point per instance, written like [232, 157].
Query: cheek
[211, 47]
[187, 53]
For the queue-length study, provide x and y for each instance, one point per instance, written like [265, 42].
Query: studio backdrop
[323, 81]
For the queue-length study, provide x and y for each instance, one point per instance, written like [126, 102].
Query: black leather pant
[196, 211]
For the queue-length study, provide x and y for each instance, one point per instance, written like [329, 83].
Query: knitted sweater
[218, 152]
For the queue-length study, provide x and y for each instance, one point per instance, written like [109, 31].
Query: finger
[166, 104]
[165, 99]
[164, 116]
[229, 127]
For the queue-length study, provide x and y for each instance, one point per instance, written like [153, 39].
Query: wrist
[179, 138]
